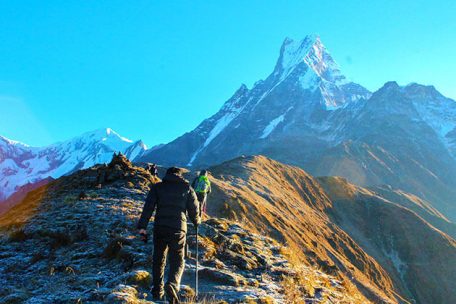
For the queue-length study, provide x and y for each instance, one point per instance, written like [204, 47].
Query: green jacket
[201, 184]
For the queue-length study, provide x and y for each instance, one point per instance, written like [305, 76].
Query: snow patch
[440, 115]
[294, 53]
[273, 124]
[309, 81]
[400, 266]
[12, 142]
[220, 125]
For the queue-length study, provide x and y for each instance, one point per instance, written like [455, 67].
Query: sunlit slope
[290, 205]
[419, 258]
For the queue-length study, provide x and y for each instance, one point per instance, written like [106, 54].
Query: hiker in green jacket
[202, 187]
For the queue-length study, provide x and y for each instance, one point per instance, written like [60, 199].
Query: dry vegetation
[290, 206]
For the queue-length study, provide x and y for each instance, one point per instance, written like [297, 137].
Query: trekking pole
[196, 269]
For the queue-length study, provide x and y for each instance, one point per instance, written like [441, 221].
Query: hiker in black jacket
[173, 199]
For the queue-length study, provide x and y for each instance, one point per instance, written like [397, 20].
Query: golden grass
[17, 216]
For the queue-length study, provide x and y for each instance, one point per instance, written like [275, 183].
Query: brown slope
[290, 205]
[21, 193]
[420, 259]
[23, 209]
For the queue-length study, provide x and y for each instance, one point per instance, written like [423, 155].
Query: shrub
[37, 257]
[18, 236]
[59, 239]
[80, 234]
[140, 277]
[69, 199]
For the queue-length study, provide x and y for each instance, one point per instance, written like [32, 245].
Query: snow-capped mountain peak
[104, 136]
[21, 164]
[310, 52]
[7, 141]
[105, 133]
[308, 63]
[293, 53]
[305, 83]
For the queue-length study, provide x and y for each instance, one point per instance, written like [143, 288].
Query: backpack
[202, 184]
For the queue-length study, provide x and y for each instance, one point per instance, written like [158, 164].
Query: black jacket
[174, 199]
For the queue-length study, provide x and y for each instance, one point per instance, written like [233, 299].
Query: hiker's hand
[144, 236]
[198, 222]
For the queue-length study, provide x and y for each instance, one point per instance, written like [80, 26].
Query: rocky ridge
[74, 241]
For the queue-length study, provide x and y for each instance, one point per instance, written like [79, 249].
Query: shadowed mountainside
[420, 259]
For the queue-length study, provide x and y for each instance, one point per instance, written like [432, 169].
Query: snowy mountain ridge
[436, 110]
[305, 79]
[308, 114]
[4, 140]
[21, 164]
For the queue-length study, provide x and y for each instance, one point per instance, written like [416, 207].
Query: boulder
[123, 294]
[139, 277]
[222, 277]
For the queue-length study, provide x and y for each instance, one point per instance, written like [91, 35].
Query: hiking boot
[171, 294]
[157, 298]
[158, 295]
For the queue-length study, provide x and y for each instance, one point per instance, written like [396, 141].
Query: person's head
[174, 170]
[203, 173]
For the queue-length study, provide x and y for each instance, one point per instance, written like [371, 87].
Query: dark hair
[203, 172]
[174, 170]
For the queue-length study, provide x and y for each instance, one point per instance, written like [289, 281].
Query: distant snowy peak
[106, 137]
[21, 164]
[436, 110]
[6, 141]
[102, 135]
[421, 103]
[135, 150]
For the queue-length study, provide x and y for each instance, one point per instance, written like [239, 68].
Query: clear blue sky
[153, 70]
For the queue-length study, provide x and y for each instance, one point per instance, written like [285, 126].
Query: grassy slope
[288, 204]
[420, 259]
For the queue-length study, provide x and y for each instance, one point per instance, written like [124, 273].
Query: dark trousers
[168, 243]
[202, 202]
